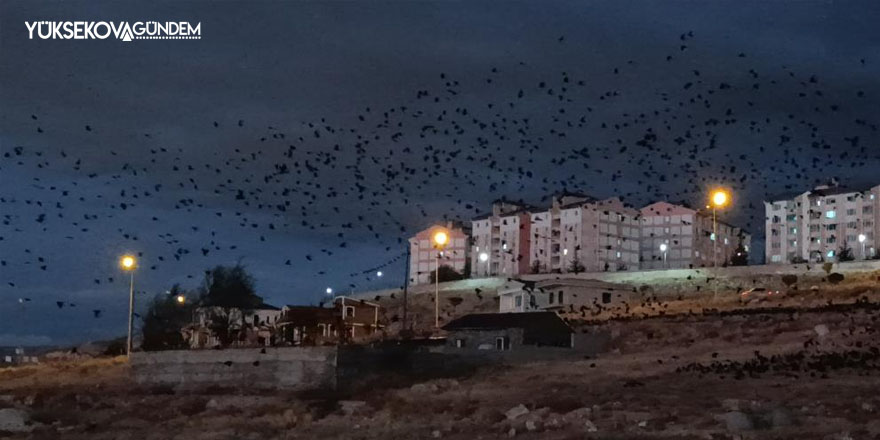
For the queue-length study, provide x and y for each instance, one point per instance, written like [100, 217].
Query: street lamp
[862, 239]
[379, 274]
[129, 263]
[180, 299]
[720, 199]
[664, 248]
[484, 257]
[329, 291]
[440, 239]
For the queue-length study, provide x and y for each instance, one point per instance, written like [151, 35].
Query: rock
[643, 424]
[14, 420]
[873, 427]
[350, 407]
[821, 330]
[512, 432]
[590, 426]
[578, 414]
[737, 421]
[424, 388]
[435, 433]
[866, 406]
[780, 418]
[531, 425]
[731, 404]
[516, 411]
[554, 421]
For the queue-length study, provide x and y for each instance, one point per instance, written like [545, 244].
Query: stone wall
[293, 368]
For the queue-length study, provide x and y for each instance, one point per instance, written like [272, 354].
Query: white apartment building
[500, 240]
[675, 236]
[817, 225]
[423, 255]
[581, 232]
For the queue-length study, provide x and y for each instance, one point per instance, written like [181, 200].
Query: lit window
[618, 254]
[830, 254]
[712, 236]
[831, 214]
[565, 251]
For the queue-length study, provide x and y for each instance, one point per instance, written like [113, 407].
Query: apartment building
[818, 225]
[423, 254]
[675, 236]
[500, 240]
[579, 233]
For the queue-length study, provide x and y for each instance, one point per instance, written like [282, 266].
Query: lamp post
[720, 198]
[440, 238]
[663, 248]
[129, 263]
[862, 239]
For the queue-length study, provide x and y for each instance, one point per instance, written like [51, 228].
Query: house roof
[530, 321]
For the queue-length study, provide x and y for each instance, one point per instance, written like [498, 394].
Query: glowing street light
[180, 299]
[440, 239]
[862, 238]
[379, 274]
[129, 263]
[720, 198]
[663, 248]
[484, 257]
[329, 291]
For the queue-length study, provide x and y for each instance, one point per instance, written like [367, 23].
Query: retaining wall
[294, 368]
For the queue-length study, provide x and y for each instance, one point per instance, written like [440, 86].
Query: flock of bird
[372, 180]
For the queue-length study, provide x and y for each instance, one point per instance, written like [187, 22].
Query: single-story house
[561, 294]
[508, 331]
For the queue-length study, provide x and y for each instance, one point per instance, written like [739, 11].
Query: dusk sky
[309, 140]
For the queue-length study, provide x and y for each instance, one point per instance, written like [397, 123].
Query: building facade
[821, 224]
[423, 254]
[677, 237]
[560, 295]
[581, 234]
[501, 242]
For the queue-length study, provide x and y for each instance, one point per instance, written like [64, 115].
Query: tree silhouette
[164, 320]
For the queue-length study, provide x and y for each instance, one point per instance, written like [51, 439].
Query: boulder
[821, 330]
[516, 411]
[14, 420]
[737, 421]
[350, 407]
[590, 426]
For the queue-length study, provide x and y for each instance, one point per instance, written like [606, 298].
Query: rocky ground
[805, 364]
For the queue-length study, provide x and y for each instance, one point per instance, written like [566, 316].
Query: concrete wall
[294, 368]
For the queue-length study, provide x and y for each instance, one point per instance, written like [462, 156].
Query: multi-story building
[675, 236]
[581, 234]
[500, 243]
[423, 254]
[818, 225]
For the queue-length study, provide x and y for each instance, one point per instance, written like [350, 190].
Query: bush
[789, 280]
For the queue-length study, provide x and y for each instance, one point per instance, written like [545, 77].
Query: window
[550, 297]
[776, 258]
[830, 214]
[502, 343]
[830, 254]
[850, 212]
[349, 311]
[459, 343]
[559, 299]
[518, 301]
